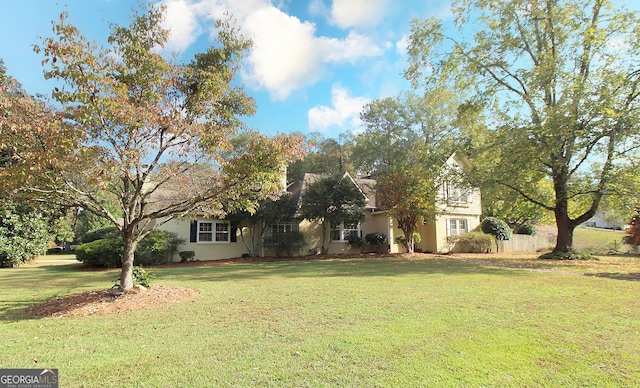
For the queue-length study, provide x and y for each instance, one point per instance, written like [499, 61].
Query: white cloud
[402, 46]
[317, 8]
[345, 111]
[354, 47]
[286, 54]
[357, 13]
[180, 19]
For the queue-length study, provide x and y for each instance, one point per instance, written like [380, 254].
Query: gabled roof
[366, 187]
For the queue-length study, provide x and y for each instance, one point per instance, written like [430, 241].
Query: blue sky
[313, 66]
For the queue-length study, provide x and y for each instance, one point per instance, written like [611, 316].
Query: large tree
[559, 79]
[325, 156]
[405, 143]
[153, 135]
[332, 200]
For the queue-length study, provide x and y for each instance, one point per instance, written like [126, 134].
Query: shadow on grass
[68, 279]
[335, 267]
[24, 287]
[633, 276]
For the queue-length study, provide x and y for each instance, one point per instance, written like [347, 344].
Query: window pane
[205, 232]
[222, 231]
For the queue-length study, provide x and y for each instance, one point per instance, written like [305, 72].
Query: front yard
[398, 321]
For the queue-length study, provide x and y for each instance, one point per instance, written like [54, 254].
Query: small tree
[409, 198]
[270, 211]
[497, 228]
[332, 200]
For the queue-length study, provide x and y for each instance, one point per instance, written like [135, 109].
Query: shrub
[527, 229]
[106, 252]
[156, 248]
[285, 243]
[472, 242]
[141, 276]
[187, 256]
[497, 228]
[402, 240]
[173, 242]
[24, 234]
[571, 255]
[99, 234]
[355, 241]
[375, 240]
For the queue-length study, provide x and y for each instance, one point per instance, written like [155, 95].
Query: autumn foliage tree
[633, 233]
[409, 199]
[149, 134]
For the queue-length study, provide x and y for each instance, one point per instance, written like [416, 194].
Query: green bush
[140, 276]
[375, 240]
[187, 256]
[571, 255]
[156, 248]
[355, 241]
[24, 234]
[99, 234]
[285, 243]
[472, 242]
[497, 228]
[402, 240]
[106, 252]
[527, 229]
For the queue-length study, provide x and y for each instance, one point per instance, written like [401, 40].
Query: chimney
[283, 177]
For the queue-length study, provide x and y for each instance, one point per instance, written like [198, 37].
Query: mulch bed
[101, 302]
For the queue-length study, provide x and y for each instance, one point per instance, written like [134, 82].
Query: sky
[314, 64]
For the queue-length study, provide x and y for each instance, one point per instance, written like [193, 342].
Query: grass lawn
[424, 321]
[599, 241]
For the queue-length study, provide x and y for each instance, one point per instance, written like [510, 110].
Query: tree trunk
[564, 240]
[129, 245]
[325, 231]
[408, 237]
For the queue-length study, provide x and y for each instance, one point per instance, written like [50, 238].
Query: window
[213, 231]
[283, 228]
[456, 195]
[341, 232]
[457, 226]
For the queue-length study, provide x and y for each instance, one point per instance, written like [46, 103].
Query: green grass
[599, 241]
[344, 322]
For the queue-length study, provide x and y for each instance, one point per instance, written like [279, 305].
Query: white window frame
[457, 230]
[211, 228]
[283, 227]
[344, 231]
[456, 195]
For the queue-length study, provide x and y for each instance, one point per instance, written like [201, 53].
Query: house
[605, 220]
[459, 211]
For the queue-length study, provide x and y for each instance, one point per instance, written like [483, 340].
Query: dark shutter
[193, 237]
[234, 231]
